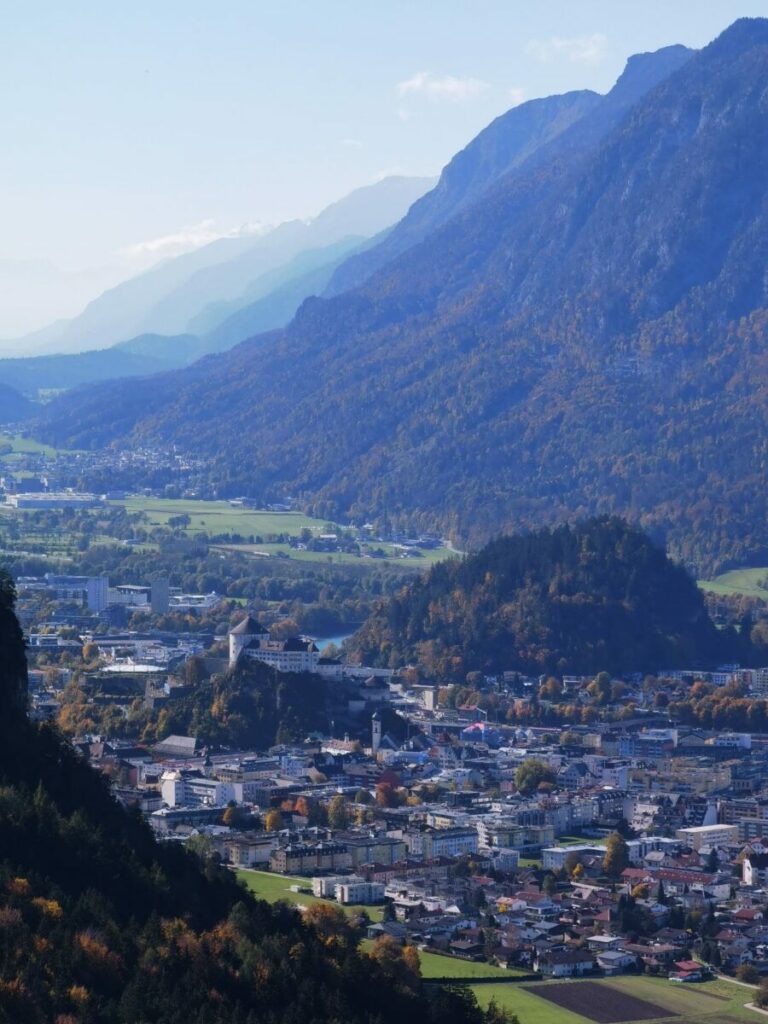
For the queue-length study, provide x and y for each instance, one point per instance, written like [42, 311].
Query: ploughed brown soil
[600, 1003]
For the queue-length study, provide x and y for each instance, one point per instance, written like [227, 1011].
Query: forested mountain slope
[588, 337]
[100, 923]
[13, 406]
[533, 134]
[505, 144]
[597, 596]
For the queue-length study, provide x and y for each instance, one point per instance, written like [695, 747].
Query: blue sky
[127, 124]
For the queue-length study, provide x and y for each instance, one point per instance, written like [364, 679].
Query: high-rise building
[97, 593]
[160, 596]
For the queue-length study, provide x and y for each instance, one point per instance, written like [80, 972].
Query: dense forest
[595, 596]
[588, 336]
[99, 923]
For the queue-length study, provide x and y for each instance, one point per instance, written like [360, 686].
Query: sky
[133, 131]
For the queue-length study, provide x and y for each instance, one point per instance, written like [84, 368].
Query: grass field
[613, 1001]
[435, 966]
[219, 517]
[214, 517]
[738, 581]
[341, 557]
[272, 888]
[25, 446]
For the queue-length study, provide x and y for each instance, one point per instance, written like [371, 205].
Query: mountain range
[586, 335]
[209, 299]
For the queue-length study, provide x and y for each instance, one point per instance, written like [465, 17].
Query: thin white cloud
[441, 87]
[186, 239]
[578, 49]
[352, 143]
[516, 96]
[395, 171]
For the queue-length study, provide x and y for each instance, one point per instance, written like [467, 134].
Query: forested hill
[13, 405]
[592, 597]
[588, 337]
[101, 925]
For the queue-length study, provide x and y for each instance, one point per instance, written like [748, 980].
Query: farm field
[272, 888]
[340, 557]
[738, 581]
[214, 517]
[219, 517]
[623, 1000]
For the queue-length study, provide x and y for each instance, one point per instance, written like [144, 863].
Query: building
[442, 842]
[97, 593]
[307, 858]
[244, 633]
[348, 889]
[246, 850]
[183, 789]
[708, 835]
[54, 500]
[357, 890]
[555, 857]
[297, 654]
[564, 963]
[375, 849]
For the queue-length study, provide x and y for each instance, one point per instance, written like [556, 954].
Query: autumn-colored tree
[616, 855]
[303, 807]
[284, 629]
[332, 924]
[338, 812]
[748, 974]
[403, 968]
[531, 773]
[273, 820]
[386, 795]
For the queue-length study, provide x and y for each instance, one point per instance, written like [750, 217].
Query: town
[620, 842]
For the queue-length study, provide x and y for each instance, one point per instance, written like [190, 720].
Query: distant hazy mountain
[537, 132]
[285, 289]
[362, 213]
[119, 313]
[35, 292]
[265, 310]
[588, 336]
[148, 353]
[164, 299]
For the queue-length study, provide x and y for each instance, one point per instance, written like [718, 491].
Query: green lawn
[340, 557]
[714, 1002]
[738, 581]
[215, 517]
[272, 888]
[435, 966]
[26, 446]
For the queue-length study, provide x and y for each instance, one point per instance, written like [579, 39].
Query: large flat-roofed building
[708, 835]
[52, 500]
